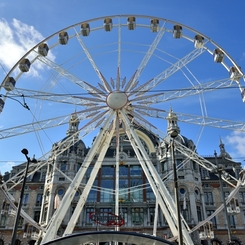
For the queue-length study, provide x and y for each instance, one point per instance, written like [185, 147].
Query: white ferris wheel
[117, 70]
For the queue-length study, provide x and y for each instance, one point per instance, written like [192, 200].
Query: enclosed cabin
[206, 231]
[198, 41]
[233, 206]
[63, 38]
[9, 84]
[1, 105]
[85, 29]
[235, 73]
[131, 23]
[202, 233]
[43, 49]
[177, 31]
[154, 25]
[218, 56]
[107, 24]
[24, 65]
[210, 229]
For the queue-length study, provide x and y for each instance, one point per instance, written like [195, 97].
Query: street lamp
[220, 170]
[25, 152]
[174, 133]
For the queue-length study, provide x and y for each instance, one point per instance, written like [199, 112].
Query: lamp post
[25, 152]
[174, 134]
[220, 169]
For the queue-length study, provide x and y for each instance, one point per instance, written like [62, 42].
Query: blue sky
[25, 23]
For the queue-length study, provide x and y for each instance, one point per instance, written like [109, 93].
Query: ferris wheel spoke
[45, 124]
[198, 120]
[56, 150]
[102, 79]
[66, 74]
[185, 92]
[167, 73]
[119, 47]
[192, 155]
[146, 58]
[58, 98]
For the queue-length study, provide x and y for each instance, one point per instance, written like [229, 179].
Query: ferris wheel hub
[117, 100]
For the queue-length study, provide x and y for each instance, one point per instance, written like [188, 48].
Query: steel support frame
[101, 145]
[165, 200]
[58, 216]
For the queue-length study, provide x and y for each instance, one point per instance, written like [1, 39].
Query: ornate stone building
[199, 191]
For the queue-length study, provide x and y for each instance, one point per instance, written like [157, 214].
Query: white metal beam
[165, 200]
[58, 216]
[104, 145]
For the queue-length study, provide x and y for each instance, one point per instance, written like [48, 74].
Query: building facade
[199, 190]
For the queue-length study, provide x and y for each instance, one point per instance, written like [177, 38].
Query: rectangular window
[105, 214]
[3, 220]
[195, 165]
[124, 214]
[136, 192]
[39, 199]
[106, 193]
[37, 216]
[43, 177]
[135, 170]
[185, 212]
[164, 166]
[123, 190]
[208, 198]
[63, 166]
[232, 221]
[137, 216]
[20, 222]
[152, 215]
[88, 212]
[213, 220]
[107, 171]
[242, 197]
[205, 174]
[179, 163]
[92, 196]
[199, 213]
[123, 170]
[150, 196]
[25, 199]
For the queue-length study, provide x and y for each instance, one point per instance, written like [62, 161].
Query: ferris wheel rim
[125, 16]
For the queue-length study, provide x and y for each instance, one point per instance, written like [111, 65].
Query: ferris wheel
[117, 70]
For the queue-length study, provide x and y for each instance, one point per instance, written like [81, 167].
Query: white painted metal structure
[78, 62]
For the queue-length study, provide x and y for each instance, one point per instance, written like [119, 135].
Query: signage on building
[107, 219]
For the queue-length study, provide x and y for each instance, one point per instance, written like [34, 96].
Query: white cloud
[7, 167]
[237, 141]
[15, 40]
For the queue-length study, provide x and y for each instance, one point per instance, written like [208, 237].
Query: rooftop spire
[173, 128]
[223, 152]
[73, 124]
